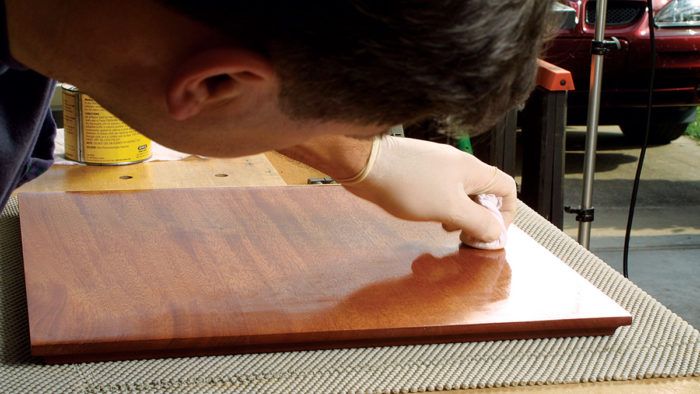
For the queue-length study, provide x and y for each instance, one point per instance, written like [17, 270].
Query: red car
[626, 71]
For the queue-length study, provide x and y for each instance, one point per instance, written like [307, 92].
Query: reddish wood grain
[116, 275]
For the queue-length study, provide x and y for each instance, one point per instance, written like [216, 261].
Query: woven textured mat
[658, 344]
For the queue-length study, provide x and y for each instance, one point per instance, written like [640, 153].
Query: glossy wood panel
[208, 271]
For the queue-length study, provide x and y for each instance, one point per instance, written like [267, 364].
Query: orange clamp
[553, 78]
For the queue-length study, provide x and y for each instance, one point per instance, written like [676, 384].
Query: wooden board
[209, 271]
[192, 172]
[292, 171]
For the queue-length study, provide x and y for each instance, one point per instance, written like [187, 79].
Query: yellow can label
[71, 117]
[95, 136]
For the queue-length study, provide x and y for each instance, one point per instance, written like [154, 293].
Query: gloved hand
[424, 181]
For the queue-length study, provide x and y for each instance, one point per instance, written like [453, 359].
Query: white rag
[493, 204]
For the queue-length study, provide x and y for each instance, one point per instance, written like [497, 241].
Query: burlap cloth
[658, 344]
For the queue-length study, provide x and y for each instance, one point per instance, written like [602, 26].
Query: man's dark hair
[390, 62]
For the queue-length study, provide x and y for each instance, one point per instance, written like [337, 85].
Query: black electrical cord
[645, 144]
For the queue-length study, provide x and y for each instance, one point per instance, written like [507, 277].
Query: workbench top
[658, 344]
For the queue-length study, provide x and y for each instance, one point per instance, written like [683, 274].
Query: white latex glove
[424, 181]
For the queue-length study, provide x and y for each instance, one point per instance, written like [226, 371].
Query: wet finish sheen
[113, 275]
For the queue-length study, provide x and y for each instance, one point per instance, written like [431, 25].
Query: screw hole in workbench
[221, 175]
[125, 177]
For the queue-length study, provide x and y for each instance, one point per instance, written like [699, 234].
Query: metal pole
[596, 81]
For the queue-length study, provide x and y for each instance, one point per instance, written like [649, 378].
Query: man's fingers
[509, 208]
[502, 185]
[450, 227]
[475, 221]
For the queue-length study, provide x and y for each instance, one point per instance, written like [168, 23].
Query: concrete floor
[664, 257]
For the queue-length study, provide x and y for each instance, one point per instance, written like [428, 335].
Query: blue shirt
[27, 128]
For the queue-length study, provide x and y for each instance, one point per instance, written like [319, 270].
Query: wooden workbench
[270, 170]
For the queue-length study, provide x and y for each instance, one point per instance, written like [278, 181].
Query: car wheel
[665, 128]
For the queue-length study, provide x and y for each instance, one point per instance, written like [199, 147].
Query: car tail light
[679, 13]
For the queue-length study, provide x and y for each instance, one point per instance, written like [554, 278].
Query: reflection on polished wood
[208, 271]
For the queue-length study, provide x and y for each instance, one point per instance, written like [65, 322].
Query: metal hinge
[320, 181]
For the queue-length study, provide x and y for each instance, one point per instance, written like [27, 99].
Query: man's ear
[217, 75]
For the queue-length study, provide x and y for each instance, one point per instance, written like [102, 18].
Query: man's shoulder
[26, 128]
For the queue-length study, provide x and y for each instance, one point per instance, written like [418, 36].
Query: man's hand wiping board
[425, 181]
[493, 204]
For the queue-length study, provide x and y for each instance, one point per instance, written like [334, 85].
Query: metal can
[95, 136]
